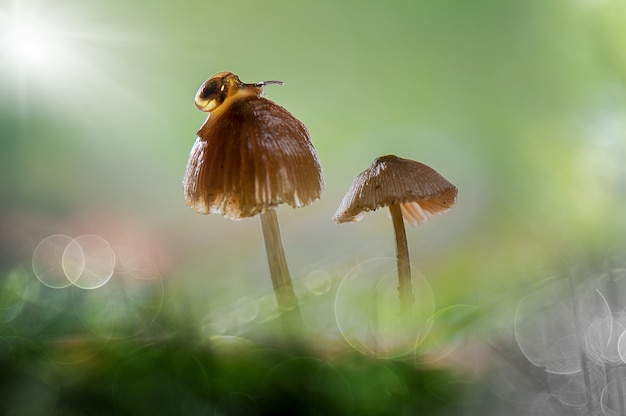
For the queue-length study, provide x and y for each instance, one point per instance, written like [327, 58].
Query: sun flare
[49, 53]
[31, 43]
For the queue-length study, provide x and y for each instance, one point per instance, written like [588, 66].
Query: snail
[224, 86]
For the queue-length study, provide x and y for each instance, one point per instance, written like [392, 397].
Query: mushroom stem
[283, 288]
[404, 265]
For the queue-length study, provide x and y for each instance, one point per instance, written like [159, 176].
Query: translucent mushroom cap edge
[420, 191]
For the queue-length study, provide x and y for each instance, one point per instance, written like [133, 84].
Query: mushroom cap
[250, 156]
[420, 191]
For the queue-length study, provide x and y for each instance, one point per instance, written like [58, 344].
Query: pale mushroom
[412, 191]
[251, 155]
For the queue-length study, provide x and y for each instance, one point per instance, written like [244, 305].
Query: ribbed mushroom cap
[419, 189]
[250, 155]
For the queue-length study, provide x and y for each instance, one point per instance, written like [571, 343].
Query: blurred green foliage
[176, 378]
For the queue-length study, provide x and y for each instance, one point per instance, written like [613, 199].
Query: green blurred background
[519, 103]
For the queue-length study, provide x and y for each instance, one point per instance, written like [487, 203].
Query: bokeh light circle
[48, 261]
[613, 397]
[245, 309]
[546, 405]
[367, 309]
[621, 347]
[87, 261]
[446, 332]
[73, 261]
[564, 356]
[231, 318]
[543, 341]
[602, 339]
[318, 282]
[573, 390]
[95, 255]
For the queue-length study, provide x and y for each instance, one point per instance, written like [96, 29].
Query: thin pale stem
[404, 264]
[281, 281]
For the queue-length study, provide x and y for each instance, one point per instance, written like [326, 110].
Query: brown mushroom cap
[251, 155]
[419, 189]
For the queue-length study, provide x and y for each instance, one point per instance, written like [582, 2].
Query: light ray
[69, 64]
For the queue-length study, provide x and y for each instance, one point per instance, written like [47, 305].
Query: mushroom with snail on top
[250, 156]
[412, 191]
